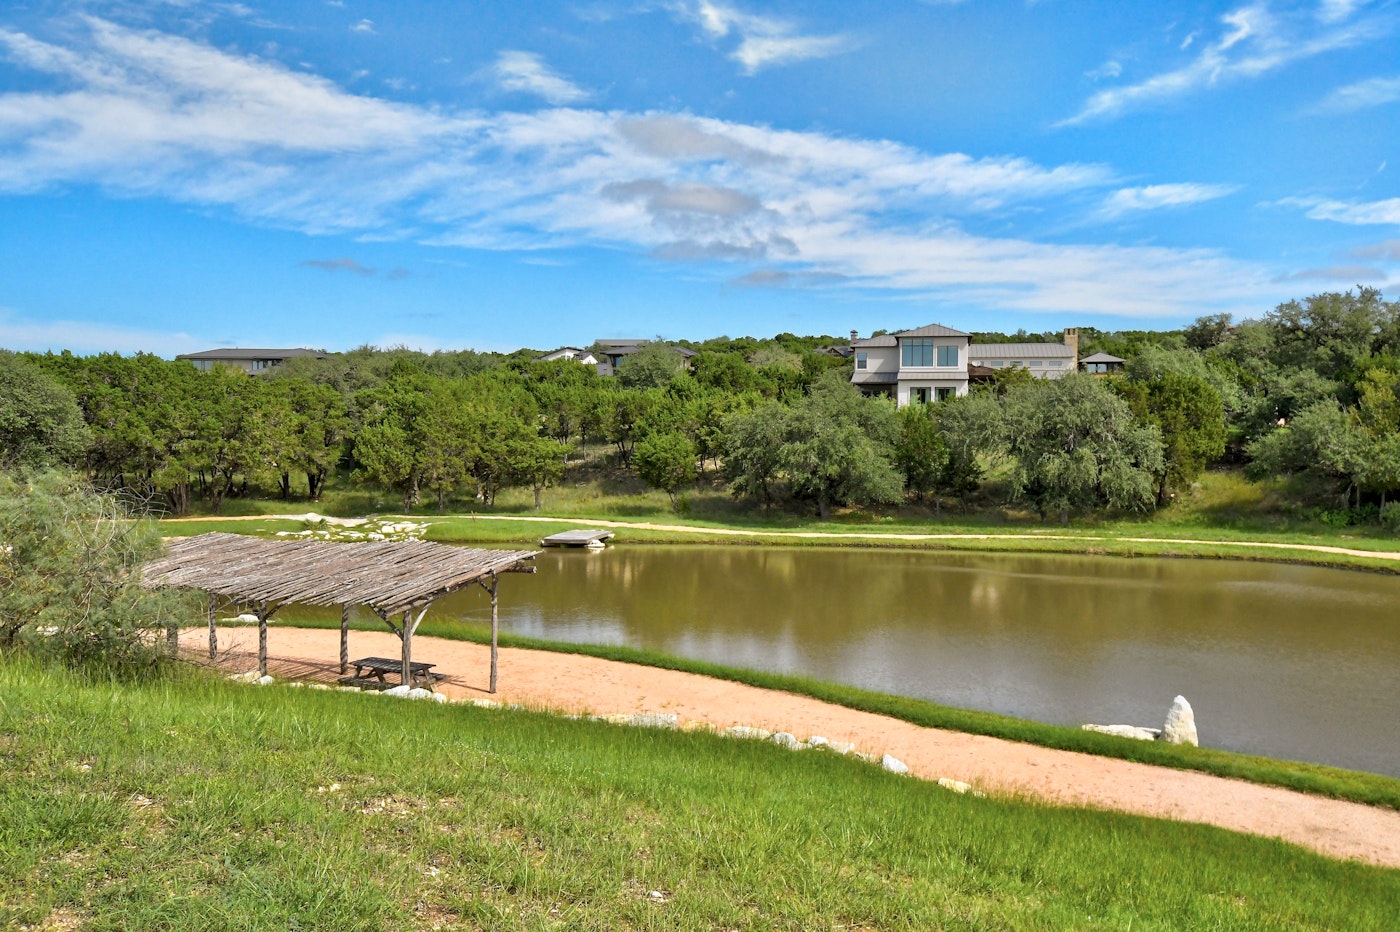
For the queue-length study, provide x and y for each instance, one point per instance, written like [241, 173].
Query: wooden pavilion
[392, 578]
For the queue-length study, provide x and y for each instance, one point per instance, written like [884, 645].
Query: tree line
[1309, 393]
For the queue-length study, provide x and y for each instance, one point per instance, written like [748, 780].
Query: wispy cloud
[150, 114]
[1359, 213]
[764, 41]
[1387, 250]
[1355, 274]
[1157, 196]
[1374, 92]
[527, 73]
[338, 265]
[1252, 42]
[364, 26]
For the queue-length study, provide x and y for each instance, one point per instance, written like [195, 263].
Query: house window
[860, 360]
[997, 363]
[1056, 363]
[947, 355]
[944, 394]
[917, 352]
[1035, 363]
[918, 396]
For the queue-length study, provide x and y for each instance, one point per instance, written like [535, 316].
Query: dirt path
[571, 683]
[867, 535]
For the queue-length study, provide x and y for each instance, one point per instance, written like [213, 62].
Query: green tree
[1074, 445]
[753, 444]
[920, 453]
[666, 460]
[1189, 414]
[40, 422]
[651, 366]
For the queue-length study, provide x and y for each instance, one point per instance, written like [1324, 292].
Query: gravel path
[572, 683]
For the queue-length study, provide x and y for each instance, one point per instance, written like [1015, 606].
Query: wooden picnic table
[370, 671]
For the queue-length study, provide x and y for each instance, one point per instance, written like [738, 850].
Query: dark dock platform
[577, 539]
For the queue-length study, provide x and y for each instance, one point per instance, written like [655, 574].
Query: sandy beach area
[576, 684]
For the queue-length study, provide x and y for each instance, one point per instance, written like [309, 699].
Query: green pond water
[1287, 661]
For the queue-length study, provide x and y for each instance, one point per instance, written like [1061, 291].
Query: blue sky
[181, 175]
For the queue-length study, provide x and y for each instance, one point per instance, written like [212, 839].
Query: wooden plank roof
[387, 576]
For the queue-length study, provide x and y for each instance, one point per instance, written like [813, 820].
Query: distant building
[611, 353]
[1042, 360]
[913, 366]
[570, 352]
[936, 362]
[1101, 364]
[252, 361]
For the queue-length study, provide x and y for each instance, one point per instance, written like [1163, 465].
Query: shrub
[70, 565]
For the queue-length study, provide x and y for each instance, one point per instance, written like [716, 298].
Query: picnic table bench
[369, 673]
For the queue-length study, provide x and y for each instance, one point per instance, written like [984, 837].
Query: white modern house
[931, 363]
[251, 361]
[913, 366]
[570, 352]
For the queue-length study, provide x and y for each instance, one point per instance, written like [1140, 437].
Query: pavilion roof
[386, 576]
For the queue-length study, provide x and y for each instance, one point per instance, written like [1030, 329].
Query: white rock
[957, 786]
[1124, 731]
[893, 764]
[252, 676]
[748, 731]
[419, 693]
[817, 741]
[654, 720]
[319, 686]
[1181, 723]
[486, 703]
[439, 698]
[398, 692]
[784, 740]
[247, 618]
[840, 747]
[346, 689]
[264, 681]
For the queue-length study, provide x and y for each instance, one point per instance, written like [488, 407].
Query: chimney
[1072, 341]
[855, 335]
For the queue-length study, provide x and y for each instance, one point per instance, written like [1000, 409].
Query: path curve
[578, 684]
[854, 535]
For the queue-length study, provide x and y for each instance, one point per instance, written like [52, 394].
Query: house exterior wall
[879, 358]
[932, 378]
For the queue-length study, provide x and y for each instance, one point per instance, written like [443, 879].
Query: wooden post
[213, 634]
[262, 639]
[407, 636]
[495, 625]
[344, 639]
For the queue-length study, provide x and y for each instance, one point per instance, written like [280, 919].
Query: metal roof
[1017, 350]
[862, 377]
[884, 339]
[932, 330]
[234, 352]
[1102, 357]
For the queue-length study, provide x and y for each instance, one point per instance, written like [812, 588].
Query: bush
[70, 571]
[1390, 516]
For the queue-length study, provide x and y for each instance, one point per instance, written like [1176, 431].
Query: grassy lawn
[195, 804]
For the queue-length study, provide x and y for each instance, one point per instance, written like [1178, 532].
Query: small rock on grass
[1124, 731]
[893, 764]
[748, 731]
[785, 740]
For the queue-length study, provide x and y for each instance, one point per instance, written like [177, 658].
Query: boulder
[654, 720]
[893, 764]
[748, 731]
[957, 786]
[398, 692]
[840, 747]
[785, 740]
[1181, 724]
[1125, 731]
[817, 741]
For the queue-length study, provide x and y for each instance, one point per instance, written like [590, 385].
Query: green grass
[195, 804]
[1318, 779]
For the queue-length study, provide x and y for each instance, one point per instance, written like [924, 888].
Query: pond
[1286, 661]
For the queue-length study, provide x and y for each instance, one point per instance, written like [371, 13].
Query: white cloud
[1156, 196]
[763, 40]
[1359, 213]
[1355, 274]
[1332, 11]
[148, 114]
[1362, 95]
[83, 337]
[364, 25]
[1109, 69]
[527, 73]
[1253, 43]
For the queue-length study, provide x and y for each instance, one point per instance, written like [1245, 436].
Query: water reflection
[1288, 661]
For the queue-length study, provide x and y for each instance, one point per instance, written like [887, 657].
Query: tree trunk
[314, 482]
[285, 482]
[538, 490]
[442, 498]
[407, 499]
[823, 511]
[1064, 517]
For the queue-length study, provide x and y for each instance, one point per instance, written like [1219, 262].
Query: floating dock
[592, 539]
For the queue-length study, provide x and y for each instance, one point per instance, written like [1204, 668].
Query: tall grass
[193, 804]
